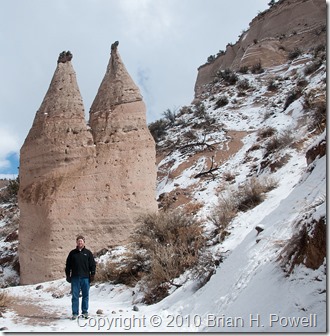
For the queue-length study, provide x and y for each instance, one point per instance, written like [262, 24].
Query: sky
[161, 42]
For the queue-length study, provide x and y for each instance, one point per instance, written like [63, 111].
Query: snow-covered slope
[252, 289]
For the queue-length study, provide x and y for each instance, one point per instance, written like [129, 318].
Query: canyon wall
[271, 37]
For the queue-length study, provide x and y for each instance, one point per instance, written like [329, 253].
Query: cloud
[145, 21]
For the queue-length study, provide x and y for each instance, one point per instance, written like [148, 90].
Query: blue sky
[162, 43]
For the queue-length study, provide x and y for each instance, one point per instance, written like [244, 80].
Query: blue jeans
[78, 283]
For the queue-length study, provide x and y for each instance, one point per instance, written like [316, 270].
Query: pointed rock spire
[52, 160]
[63, 97]
[117, 86]
[71, 182]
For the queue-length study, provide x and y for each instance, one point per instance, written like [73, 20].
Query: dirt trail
[32, 311]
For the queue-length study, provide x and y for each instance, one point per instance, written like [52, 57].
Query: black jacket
[80, 263]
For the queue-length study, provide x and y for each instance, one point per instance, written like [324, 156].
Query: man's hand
[92, 278]
[68, 279]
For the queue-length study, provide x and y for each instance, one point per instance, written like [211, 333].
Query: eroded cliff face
[271, 37]
[78, 179]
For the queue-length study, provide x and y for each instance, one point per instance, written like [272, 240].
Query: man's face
[80, 243]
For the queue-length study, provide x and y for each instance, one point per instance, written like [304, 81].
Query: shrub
[247, 196]
[294, 54]
[128, 269]
[271, 85]
[172, 242]
[228, 76]
[257, 68]
[5, 300]
[210, 59]
[279, 142]
[243, 69]
[228, 176]
[243, 84]
[320, 51]
[266, 132]
[224, 212]
[170, 116]
[318, 117]
[158, 129]
[252, 193]
[184, 110]
[192, 208]
[190, 135]
[10, 193]
[222, 101]
[199, 110]
[292, 96]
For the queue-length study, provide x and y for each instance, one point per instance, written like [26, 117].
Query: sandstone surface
[75, 179]
[271, 37]
[125, 149]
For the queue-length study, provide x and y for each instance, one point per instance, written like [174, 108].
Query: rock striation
[76, 178]
[271, 37]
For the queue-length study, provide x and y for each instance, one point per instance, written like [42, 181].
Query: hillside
[273, 36]
[247, 159]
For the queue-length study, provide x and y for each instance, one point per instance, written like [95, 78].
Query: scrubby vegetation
[157, 129]
[5, 300]
[164, 246]
[10, 192]
[243, 198]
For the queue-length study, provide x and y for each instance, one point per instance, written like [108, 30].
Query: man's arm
[92, 264]
[68, 266]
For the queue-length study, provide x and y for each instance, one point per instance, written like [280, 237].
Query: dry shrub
[128, 269]
[292, 96]
[257, 68]
[5, 300]
[279, 141]
[224, 212]
[253, 192]
[172, 242]
[158, 129]
[9, 194]
[192, 208]
[266, 132]
[319, 116]
[222, 101]
[317, 106]
[272, 85]
[246, 197]
[243, 84]
[228, 176]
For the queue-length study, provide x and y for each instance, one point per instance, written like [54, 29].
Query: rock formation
[125, 150]
[74, 179]
[272, 35]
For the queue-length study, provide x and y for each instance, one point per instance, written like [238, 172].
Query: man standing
[80, 271]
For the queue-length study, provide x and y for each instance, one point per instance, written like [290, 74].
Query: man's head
[80, 241]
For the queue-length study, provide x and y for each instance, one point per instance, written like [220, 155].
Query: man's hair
[80, 237]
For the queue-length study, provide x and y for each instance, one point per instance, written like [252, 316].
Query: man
[80, 271]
